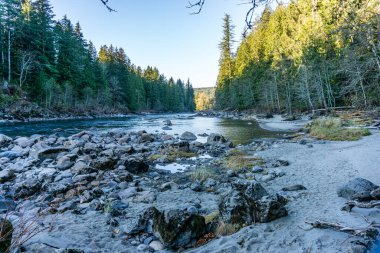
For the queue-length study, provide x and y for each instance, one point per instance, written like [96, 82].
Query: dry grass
[174, 154]
[329, 128]
[202, 174]
[25, 229]
[211, 217]
[226, 229]
[238, 160]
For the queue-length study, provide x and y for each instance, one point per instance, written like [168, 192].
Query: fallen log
[369, 231]
[351, 204]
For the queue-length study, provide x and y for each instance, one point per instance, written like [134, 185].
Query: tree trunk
[308, 90]
[9, 56]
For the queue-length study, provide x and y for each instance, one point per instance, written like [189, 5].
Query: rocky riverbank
[113, 192]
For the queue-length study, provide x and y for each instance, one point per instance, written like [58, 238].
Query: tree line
[50, 62]
[305, 55]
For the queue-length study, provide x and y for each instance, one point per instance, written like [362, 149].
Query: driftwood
[351, 204]
[369, 231]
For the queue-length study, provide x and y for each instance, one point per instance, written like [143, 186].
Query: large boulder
[4, 140]
[174, 228]
[355, 186]
[136, 165]
[6, 231]
[188, 136]
[218, 140]
[248, 202]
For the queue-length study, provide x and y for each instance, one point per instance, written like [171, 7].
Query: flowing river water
[239, 131]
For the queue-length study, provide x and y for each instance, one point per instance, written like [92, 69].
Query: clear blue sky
[159, 33]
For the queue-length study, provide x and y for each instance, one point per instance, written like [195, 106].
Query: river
[239, 131]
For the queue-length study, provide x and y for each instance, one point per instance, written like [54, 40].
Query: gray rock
[209, 183]
[267, 178]
[27, 189]
[296, 187]
[249, 202]
[6, 205]
[192, 209]
[25, 142]
[136, 165]
[66, 162]
[144, 248]
[257, 169]
[280, 163]
[231, 173]
[128, 193]
[146, 138]
[376, 193]
[51, 153]
[6, 176]
[362, 196]
[4, 140]
[104, 163]
[354, 186]
[196, 186]
[188, 136]
[156, 245]
[11, 155]
[166, 128]
[167, 122]
[218, 140]
[174, 228]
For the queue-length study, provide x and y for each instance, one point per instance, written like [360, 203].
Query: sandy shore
[321, 169]
[277, 123]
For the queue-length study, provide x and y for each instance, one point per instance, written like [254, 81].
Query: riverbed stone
[354, 186]
[4, 140]
[175, 228]
[188, 136]
[296, 187]
[135, 165]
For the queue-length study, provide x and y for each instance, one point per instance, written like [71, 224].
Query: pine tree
[226, 63]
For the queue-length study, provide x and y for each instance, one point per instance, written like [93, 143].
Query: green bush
[332, 129]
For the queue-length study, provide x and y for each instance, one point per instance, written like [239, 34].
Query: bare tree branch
[105, 2]
[197, 5]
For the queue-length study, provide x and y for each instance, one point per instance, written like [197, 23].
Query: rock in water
[217, 139]
[6, 231]
[188, 136]
[175, 228]
[355, 186]
[167, 122]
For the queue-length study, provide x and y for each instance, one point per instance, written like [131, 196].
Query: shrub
[333, 129]
[202, 174]
[238, 160]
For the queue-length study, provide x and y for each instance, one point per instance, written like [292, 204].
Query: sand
[321, 169]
